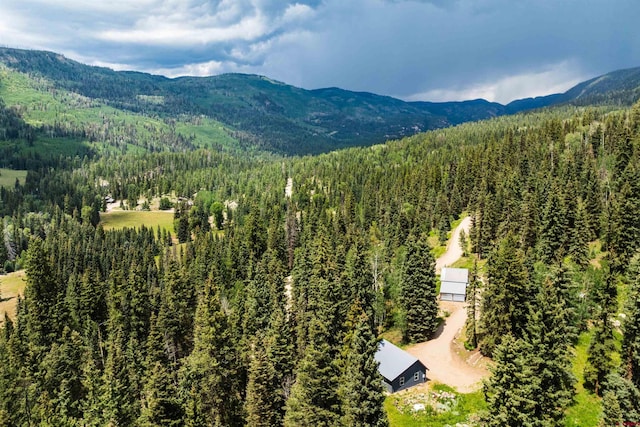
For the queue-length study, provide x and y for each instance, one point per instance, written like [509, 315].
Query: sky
[416, 50]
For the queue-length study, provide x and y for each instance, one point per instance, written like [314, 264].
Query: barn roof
[460, 275]
[453, 288]
[393, 360]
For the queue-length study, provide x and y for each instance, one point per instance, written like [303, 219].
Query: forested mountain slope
[124, 327]
[277, 117]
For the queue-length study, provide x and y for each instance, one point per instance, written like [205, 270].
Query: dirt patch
[288, 190]
[440, 354]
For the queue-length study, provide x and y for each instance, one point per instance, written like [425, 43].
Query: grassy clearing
[8, 177]
[467, 262]
[587, 407]
[11, 285]
[206, 132]
[443, 406]
[394, 336]
[596, 254]
[136, 219]
[434, 242]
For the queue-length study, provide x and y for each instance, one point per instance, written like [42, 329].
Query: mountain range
[276, 117]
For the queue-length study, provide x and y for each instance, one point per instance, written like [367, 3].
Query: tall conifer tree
[314, 400]
[211, 373]
[507, 297]
[419, 291]
[361, 388]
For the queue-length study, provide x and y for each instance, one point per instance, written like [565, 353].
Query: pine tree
[160, 403]
[511, 391]
[211, 372]
[177, 311]
[592, 197]
[528, 221]
[599, 362]
[472, 305]
[622, 236]
[92, 404]
[553, 229]
[120, 384]
[11, 393]
[358, 277]
[182, 224]
[611, 412]
[41, 295]
[550, 335]
[263, 402]
[361, 389]
[314, 400]
[62, 379]
[620, 398]
[506, 298]
[418, 297]
[281, 354]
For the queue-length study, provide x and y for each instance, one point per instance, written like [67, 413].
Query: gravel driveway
[443, 364]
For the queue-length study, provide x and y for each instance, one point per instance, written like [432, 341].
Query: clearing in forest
[8, 177]
[136, 219]
[11, 285]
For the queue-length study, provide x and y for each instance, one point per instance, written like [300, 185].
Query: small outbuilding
[453, 284]
[399, 369]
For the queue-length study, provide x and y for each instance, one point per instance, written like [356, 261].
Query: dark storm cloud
[415, 49]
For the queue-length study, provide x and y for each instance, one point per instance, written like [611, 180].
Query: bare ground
[439, 355]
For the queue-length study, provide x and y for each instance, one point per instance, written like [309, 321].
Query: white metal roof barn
[453, 284]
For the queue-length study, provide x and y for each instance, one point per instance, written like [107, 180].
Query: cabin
[399, 369]
[453, 284]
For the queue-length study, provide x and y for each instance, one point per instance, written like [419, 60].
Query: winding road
[439, 355]
[454, 251]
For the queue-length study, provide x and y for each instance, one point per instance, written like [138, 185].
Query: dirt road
[454, 252]
[439, 354]
[443, 364]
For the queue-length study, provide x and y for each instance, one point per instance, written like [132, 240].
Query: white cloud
[554, 79]
[297, 12]
[168, 34]
[209, 68]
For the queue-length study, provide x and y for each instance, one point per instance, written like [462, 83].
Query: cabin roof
[393, 360]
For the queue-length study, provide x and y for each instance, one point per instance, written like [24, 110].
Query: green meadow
[8, 177]
[11, 285]
[136, 219]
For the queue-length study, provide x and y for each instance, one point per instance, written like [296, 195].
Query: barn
[453, 284]
[399, 369]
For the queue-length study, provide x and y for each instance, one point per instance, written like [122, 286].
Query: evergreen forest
[263, 300]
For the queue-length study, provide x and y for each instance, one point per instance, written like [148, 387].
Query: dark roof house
[399, 369]
[453, 284]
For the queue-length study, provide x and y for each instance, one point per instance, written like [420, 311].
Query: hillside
[273, 116]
